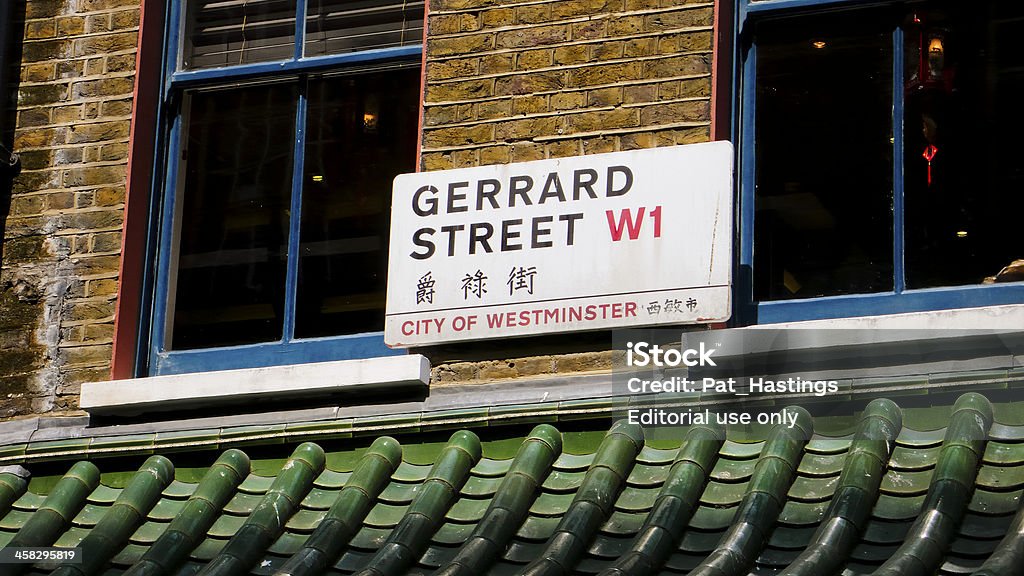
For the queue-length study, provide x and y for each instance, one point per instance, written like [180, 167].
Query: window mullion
[300, 28]
[899, 275]
[295, 213]
[747, 172]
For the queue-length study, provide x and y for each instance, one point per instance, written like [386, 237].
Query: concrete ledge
[208, 389]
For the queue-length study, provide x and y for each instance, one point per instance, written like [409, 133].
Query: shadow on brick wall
[12, 31]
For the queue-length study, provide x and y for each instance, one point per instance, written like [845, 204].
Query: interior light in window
[370, 122]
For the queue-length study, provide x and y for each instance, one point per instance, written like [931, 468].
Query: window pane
[361, 134]
[232, 32]
[963, 171]
[824, 156]
[234, 220]
[336, 26]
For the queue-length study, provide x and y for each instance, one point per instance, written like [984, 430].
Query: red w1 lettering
[632, 224]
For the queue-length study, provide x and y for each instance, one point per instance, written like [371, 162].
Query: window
[287, 122]
[880, 170]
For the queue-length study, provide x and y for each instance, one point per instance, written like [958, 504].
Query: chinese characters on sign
[595, 242]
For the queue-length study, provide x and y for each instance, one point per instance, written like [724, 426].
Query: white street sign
[615, 240]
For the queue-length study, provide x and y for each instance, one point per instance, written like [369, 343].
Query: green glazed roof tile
[14, 520]
[305, 521]
[891, 507]
[1001, 477]
[826, 445]
[810, 489]
[1004, 454]
[208, 549]
[398, 493]
[489, 468]
[561, 481]
[920, 438]
[647, 516]
[573, 462]
[331, 479]
[537, 528]
[802, 513]
[89, 515]
[385, 515]
[634, 499]
[985, 526]
[901, 483]
[995, 503]
[622, 523]
[226, 526]
[369, 538]
[254, 484]
[654, 456]
[646, 475]
[910, 458]
[696, 541]
[129, 555]
[319, 499]
[741, 451]
[719, 494]
[29, 501]
[1006, 432]
[148, 532]
[732, 471]
[467, 510]
[407, 472]
[452, 533]
[712, 518]
[551, 504]
[103, 495]
[883, 532]
[287, 544]
[822, 464]
[242, 504]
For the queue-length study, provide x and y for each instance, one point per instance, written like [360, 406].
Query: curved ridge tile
[1008, 557]
[267, 520]
[187, 530]
[593, 502]
[763, 501]
[948, 495]
[510, 505]
[13, 482]
[409, 540]
[123, 517]
[679, 497]
[47, 523]
[859, 482]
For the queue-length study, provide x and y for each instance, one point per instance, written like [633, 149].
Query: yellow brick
[529, 83]
[528, 37]
[527, 128]
[526, 151]
[529, 104]
[533, 59]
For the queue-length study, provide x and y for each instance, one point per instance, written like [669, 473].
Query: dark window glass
[234, 217]
[963, 174]
[823, 196]
[360, 134]
[231, 32]
[336, 26]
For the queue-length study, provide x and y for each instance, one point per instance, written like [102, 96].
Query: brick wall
[519, 80]
[62, 236]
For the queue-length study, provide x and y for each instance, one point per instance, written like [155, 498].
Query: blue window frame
[915, 62]
[284, 122]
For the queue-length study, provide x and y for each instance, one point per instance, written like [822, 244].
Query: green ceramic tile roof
[883, 497]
